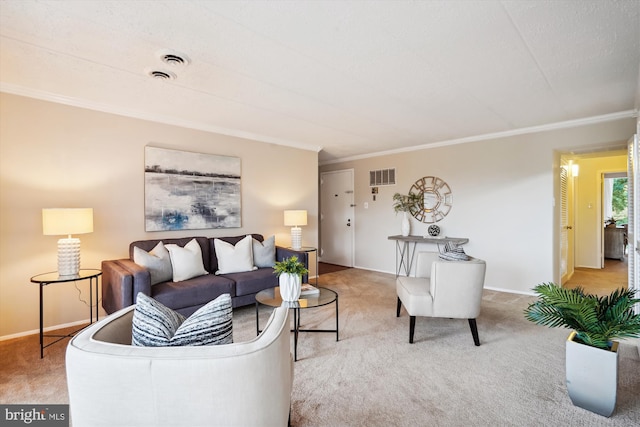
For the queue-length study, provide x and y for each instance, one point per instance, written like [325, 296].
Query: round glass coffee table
[271, 297]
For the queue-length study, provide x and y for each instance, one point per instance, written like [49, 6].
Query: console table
[406, 248]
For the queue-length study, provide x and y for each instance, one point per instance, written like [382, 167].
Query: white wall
[504, 193]
[53, 155]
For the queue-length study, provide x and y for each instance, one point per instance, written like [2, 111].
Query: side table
[53, 277]
[271, 297]
[308, 250]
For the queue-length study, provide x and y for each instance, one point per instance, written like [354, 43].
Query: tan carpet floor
[374, 377]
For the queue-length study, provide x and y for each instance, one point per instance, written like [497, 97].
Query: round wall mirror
[436, 199]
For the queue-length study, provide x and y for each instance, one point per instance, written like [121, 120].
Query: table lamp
[293, 219]
[56, 222]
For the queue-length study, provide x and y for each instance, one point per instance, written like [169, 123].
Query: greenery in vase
[406, 202]
[290, 265]
[596, 320]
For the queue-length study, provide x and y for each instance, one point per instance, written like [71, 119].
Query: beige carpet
[374, 377]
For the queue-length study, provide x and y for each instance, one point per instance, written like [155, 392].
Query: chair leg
[398, 307]
[412, 328]
[474, 331]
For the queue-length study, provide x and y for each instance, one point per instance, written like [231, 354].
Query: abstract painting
[190, 191]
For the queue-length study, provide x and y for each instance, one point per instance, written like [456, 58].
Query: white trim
[496, 135]
[111, 109]
[47, 329]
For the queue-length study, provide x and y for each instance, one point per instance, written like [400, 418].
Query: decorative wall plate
[437, 199]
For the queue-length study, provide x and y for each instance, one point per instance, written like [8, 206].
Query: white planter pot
[406, 224]
[592, 376]
[290, 286]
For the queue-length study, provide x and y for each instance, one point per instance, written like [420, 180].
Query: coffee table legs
[296, 326]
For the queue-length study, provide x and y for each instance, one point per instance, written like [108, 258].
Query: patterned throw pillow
[453, 252]
[156, 325]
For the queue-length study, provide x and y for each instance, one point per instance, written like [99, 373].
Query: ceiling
[345, 78]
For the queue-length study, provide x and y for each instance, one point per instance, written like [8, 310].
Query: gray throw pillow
[157, 262]
[264, 253]
[156, 325]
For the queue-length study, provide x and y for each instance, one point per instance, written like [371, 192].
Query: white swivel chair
[112, 383]
[451, 289]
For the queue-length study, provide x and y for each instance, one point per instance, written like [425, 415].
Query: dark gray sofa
[122, 279]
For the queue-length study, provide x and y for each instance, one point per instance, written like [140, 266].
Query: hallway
[601, 281]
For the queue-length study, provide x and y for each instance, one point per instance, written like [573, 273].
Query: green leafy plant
[596, 320]
[289, 265]
[406, 202]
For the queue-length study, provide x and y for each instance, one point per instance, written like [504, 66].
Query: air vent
[162, 75]
[382, 177]
[173, 58]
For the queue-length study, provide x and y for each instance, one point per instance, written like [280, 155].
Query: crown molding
[496, 135]
[168, 120]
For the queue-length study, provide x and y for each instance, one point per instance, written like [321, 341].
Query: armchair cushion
[155, 325]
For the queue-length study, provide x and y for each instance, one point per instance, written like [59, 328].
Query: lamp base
[296, 238]
[68, 256]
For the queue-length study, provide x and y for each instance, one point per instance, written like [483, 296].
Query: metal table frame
[406, 249]
[49, 278]
[296, 306]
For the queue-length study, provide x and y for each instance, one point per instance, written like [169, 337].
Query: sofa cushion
[453, 252]
[157, 261]
[193, 292]
[155, 325]
[264, 253]
[186, 262]
[253, 281]
[234, 259]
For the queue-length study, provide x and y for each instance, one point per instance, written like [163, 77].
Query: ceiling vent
[173, 58]
[162, 75]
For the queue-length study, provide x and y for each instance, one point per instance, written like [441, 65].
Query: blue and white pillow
[453, 252]
[156, 325]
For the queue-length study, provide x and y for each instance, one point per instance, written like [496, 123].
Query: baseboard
[47, 329]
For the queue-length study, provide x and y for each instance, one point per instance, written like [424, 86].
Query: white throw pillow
[264, 253]
[187, 261]
[157, 262]
[234, 259]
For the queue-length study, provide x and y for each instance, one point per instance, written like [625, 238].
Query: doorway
[337, 220]
[596, 269]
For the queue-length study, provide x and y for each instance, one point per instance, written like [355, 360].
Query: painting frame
[186, 190]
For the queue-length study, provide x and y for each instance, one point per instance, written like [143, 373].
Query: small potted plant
[407, 204]
[290, 272]
[591, 354]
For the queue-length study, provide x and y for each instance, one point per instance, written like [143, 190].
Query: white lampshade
[57, 222]
[295, 218]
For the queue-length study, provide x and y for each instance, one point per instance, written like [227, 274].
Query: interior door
[566, 221]
[337, 217]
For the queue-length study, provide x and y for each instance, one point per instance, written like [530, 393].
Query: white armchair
[112, 383]
[451, 289]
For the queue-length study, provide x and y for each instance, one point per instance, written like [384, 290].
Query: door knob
[348, 223]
